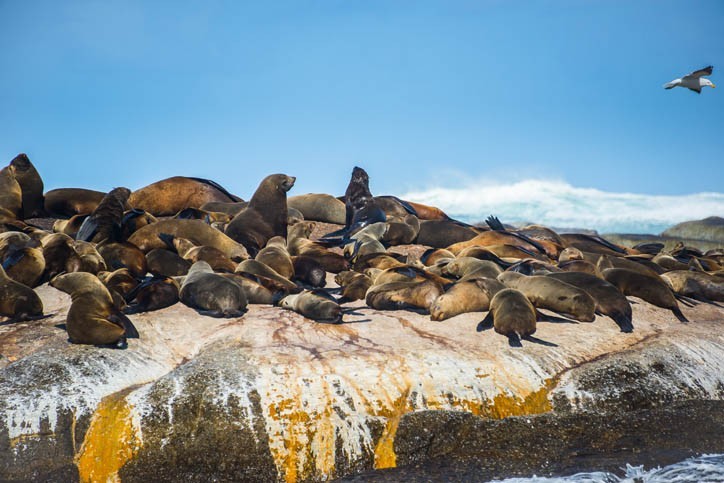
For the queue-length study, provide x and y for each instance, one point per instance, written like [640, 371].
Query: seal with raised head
[93, 317]
[18, 301]
[104, 223]
[265, 216]
[171, 195]
[31, 186]
[548, 293]
[276, 256]
[360, 207]
[211, 294]
[315, 304]
[11, 198]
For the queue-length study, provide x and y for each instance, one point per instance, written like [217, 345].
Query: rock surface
[274, 396]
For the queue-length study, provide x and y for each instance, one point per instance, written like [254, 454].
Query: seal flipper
[13, 258]
[119, 318]
[514, 340]
[679, 315]
[494, 223]
[486, 323]
[623, 321]
[87, 230]
[167, 238]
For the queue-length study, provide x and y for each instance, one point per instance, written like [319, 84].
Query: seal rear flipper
[494, 223]
[486, 323]
[514, 340]
[13, 258]
[688, 301]
[120, 319]
[679, 315]
[168, 238]
[624, 322]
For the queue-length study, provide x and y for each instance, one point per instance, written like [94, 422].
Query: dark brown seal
[18, 301]
[31, 185]
[104, 223]
[265, 216]
[66, 202]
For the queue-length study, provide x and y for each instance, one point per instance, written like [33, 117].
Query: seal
[124, 255]
[498, 237]
[319, 207]
[93, 317]
[266, 215]
[432, 256]
[309, 271]
[549, 293]
[165, 263]
[104, 223]
[443, 233]
[147, 237]
[171, 195]
[417, 296]
[267, 276]
[360, 207]
[470, 267]
[315, 304]
[11, 198]
[59, 255]
[401, 230]
[276, 256]
[299, 244]
[513, 315]
[211, 294]
[427, 212]
[154, 293]
[405, 273]
[650, 288]
[25, 265]
[120, 281]
[466, 296]
[90, 260]
[593, 244]
[66, 202]
[70, 226]
[231, 208]
[610, 302]
[255, 292]
[31, 187]
[133, 220]
[193, 253]
[209, 217]
[354, 284]
[18, 301]
[698, 285]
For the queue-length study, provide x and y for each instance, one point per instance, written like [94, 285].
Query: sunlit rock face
[274, 396]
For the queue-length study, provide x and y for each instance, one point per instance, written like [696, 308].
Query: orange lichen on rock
[110, 442]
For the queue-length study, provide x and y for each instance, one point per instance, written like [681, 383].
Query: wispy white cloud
[558, 204]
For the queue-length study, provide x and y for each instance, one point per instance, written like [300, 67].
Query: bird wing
[701, 72]
[672, 84]
[695, 89]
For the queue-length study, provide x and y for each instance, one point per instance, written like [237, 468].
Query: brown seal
[315, 304]
[470, 267]
[104, 223]
[699, 285]
[299, 244]
[31, 186]
[147, 237]
[153, 294]
[319, 207]
[650, 288]
[211, 294]
[309, 271]
[443, 233]
[59, 255]
[513, 314]
[609, 300]
[124, 255]
[552, 294]
[255, 292]
[66, 202]
[90, 260]
[120, 281]
[25, 265]
[93, 317]
[70, 226]
[165, 263]
[427, 212]
[466, 296]
[191, 252]
[266, 275]
[276, 256]
[354, 284]
[266, 215]
[404, 295]
[18, 301]
[11, 197]
[432, 256]
[171, 195]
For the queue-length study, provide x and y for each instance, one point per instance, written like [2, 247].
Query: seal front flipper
[514, 340]
[679, 315]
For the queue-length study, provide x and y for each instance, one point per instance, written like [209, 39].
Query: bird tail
[670, 85]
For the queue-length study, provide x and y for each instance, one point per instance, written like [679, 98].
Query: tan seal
[513, 315]
[93, 317]
[171, 195]
[18, 301]
[315, 304]
[650, 288]
[466, 296]
[404, 295]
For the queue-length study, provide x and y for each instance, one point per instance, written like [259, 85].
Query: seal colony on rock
[124, 259]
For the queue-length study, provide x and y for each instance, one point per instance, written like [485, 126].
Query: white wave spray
[558, 204]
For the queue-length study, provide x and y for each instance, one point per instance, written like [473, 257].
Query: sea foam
[558, 204]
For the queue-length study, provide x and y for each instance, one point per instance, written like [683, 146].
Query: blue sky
[421, 94]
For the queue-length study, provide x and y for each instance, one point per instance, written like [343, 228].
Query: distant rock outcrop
[709, 229]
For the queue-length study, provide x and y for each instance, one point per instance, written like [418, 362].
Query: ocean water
[701, 469]
[558, 204]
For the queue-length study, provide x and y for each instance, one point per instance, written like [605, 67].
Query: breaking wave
[558, 204]
[705, 468]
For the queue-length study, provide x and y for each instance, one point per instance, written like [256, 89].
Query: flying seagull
[694, 81]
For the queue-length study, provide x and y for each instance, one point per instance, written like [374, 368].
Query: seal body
[211, 293]
[315, 305]
[18, 301]
[31, 186]
[93, 317]
[265, 216]
[319, 207]
[11, 198]
[649, 288]
[66, 202]
[513, 314]
[404, 295]
[465, 296]
[104, 223]
[171, 195]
